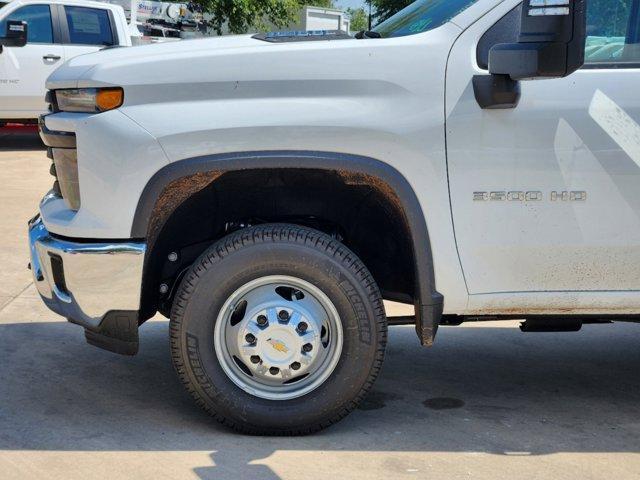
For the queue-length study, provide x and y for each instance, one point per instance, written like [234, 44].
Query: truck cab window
[613, 33]
[38, 18]
[89, 26]
[421, 16]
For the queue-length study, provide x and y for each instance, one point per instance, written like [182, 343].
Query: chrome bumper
[85, 281]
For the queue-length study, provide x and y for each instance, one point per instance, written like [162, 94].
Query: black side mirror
[550, 45]
[16, 35]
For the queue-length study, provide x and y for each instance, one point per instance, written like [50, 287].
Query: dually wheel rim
[278, 337]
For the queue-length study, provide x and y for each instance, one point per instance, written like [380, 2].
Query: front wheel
[278, 329]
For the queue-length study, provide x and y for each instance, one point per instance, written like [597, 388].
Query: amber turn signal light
[109, 98]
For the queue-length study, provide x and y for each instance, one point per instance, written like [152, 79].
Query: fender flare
[429, 303]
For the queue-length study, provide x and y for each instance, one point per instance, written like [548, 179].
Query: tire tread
[273, 233]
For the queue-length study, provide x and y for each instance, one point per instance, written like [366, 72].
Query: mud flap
[117, 333]
[427, 320]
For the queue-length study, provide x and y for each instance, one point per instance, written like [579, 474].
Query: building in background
[317, 18]
[311, 18]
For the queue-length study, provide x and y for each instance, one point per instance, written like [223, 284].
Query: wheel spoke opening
[238, 313]
[242, 366]
[295, 379]
[324, 337]
[289, 293]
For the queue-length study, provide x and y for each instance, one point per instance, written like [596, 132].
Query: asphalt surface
[487, 401]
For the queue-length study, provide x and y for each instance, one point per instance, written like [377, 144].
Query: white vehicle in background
[57, 30]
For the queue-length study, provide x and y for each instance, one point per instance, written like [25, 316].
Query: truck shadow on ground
[20, 139]
[480, 389]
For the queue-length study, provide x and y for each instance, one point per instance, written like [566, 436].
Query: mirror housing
[550, 45]
[16, 35]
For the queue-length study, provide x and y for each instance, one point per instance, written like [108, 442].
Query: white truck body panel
[266, 193]
[314, 102]
[576, 134]
[385, 98]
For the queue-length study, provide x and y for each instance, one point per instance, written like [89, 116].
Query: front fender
[200, 171]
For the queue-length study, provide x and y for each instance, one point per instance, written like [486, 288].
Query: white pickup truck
[58, 30]
[268, 192]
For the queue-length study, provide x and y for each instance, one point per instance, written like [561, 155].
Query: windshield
[421, 16]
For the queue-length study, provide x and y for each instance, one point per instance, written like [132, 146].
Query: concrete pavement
[486, 402]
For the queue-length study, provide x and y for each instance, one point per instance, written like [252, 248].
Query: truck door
[24, 70]
[545, 196]
[86, 30]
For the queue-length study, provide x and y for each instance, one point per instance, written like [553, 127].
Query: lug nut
[255, 359]
[295, 366]
[302, 327]
[250, 338]
[283, 315]
[274, 370]
[262, 320]
[307, 347]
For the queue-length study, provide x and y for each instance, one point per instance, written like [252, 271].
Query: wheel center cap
[279, 346]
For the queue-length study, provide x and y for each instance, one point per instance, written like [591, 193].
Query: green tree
[241, 15]
[359, 19]
[317, 3]
[384, 9]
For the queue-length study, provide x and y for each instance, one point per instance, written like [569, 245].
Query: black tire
[278, 249]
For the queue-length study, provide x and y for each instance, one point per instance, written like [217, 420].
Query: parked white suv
[267, 192]
[58, 30]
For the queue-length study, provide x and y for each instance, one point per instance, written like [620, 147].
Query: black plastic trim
[115, 38]
[117, 333]
[429, 303]
[496, 91]
[302, 36]
[610, 65]
[57, 270]
[55, 21]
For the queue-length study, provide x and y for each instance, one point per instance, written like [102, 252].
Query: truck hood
[193, 61]
[76, 73]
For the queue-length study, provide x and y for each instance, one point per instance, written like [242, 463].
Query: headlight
[91, 100]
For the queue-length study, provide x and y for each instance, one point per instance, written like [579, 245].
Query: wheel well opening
[360, 210]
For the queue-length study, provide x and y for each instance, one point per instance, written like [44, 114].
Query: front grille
[65, 163]
[61, 149]
[50, 98]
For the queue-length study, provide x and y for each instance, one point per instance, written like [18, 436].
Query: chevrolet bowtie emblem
[278, 345]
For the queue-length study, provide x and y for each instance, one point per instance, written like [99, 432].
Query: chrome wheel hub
[278, 337]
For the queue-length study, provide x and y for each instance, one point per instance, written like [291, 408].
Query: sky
[349, 3]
